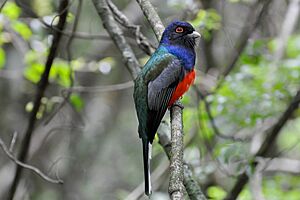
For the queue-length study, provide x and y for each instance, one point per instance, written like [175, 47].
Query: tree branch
[271, 135]
[42, 85]
[141, 40]
[288, 26]
[254, 17]
[176, 165]
[26, 166]
[117, 36]
[192, 187]
[152, 17]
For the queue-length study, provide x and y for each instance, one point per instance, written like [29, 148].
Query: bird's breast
[183, 86]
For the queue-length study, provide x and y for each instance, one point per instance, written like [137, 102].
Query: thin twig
[13, 141]
[156, 175]
[104, 88]
[141, 40]
[26, 166]
[42, 85]
[212, 119]
[80, 35]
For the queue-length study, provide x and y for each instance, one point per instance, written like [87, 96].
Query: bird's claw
[179, 104]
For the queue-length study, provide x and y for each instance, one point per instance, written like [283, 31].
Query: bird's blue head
[179, 39]
[180, 33]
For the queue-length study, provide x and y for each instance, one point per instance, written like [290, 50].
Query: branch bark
[141, 40]
[117, 36]
[271, 135]
[152, 17]
[42, 85]
[176, 165]
[192, 187]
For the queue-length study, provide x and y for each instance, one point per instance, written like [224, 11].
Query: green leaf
[2, 58]
[22, 29]
[60, 72]
[11, 10]
[216, 193]
[33, 72]
[208, 20]
[42, 7]
[77, 102]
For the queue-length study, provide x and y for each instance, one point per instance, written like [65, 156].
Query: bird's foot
[179, 104]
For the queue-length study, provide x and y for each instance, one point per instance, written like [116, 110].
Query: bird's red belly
[183, 86]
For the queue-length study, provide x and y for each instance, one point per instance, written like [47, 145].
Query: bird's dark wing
[160, 91]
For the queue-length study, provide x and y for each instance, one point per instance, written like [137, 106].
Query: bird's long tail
[147, 156]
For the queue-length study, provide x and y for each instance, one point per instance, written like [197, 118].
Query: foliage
[207, 20]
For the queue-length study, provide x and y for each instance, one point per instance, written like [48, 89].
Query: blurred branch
[192, 187]
[271, 135]
[255, 15]
[255, 184]
[117, 36]
[42, 85]
[141, 40]
[283, 165]
[156, 174]
[13, 141]
[81, 35]
[288, 26]
[68, 93]
[26, 166]
[104, 88]
[212, 120]
[2, 5]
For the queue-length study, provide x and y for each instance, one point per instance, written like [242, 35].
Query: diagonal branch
[117, 36]
[141, 40]
[42, 85]
[255, 15]
[271, 135]
[152, 17]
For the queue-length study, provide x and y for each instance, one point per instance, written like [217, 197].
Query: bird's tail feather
[147, 156]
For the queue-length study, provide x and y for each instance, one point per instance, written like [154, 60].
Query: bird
[165, 77]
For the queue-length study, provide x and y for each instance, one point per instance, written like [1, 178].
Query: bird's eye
[179, 29]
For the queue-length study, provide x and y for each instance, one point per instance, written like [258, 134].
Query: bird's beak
[195, 34]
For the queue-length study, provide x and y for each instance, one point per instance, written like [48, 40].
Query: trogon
[166, 76]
